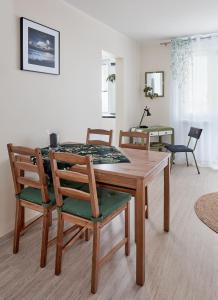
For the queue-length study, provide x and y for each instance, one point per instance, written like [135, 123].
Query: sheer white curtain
[195, 95]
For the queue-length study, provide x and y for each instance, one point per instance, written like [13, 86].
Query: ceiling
[154, 19]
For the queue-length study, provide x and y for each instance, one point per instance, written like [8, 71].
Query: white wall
[32, 103]
[156, 57]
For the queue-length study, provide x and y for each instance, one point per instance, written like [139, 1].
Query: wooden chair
[144, 145]
[31, 192]
[103, 132]
[88, 208]
[144, 136]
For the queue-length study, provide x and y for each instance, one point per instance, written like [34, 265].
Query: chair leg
[45, 229]
[17, 228]
[22, 217]
[95, 258]
[135, 219]
[196, 163]
[127, 230]
[146, 202]
[87, 234]
[172, 158]
[59, 244]
[50, 217]
[186, 155]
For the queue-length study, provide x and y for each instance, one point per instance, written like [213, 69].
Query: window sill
[110, 116]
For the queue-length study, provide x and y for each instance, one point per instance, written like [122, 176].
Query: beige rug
[206, 209]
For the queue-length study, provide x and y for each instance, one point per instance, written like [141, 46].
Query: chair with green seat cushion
[36, 195]
[108, 201]
[88, 208]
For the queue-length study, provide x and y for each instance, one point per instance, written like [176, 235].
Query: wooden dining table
[135, 175]
[129, 170]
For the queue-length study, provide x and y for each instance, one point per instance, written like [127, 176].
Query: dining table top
[115, 163]
[141, 163]
[109, 159]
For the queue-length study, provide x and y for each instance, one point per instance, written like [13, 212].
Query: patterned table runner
[101, 154]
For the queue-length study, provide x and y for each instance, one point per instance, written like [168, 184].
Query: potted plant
[111, 78]
[148, 90]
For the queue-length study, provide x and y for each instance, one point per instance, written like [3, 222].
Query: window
[196, 92]
[104, 84]
[108, 87]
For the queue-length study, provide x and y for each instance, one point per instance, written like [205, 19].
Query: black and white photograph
[40, 49]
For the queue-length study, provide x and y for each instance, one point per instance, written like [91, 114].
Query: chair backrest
[143, 145]
[24, 162]
[82, 173]
[99, 132]
[194, 133]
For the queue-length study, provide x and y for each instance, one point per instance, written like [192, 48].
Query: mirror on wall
[154, 83]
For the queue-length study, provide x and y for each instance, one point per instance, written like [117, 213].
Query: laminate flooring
[180, 265]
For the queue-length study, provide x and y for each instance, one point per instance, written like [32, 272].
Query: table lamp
[148, 114]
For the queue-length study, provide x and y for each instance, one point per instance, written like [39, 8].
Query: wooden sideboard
[159, 132]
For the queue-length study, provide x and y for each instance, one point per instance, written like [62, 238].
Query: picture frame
[154, 82]
[40, 47]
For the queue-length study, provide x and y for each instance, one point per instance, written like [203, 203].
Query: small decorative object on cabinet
[148, 114]
[111, 78]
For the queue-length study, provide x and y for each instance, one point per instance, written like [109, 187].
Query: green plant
[111, 78]
[148, 90]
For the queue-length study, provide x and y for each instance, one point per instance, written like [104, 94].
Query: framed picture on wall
[40, 48]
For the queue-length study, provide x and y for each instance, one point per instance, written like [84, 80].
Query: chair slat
[26, 167]
[134, 146]
[23, 150]
[76, 159]
[79, 169]
[138, 134]
[72, 176]
[23, 158]
[69, 192]
[99, 132]
[98, 142]
[29, 182]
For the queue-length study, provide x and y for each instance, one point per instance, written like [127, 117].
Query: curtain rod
[202, 37]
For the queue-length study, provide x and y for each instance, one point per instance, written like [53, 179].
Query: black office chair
[193, 133]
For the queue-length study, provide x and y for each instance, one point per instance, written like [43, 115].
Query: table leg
[161, 142]
[140, 231]
[172, 143]
[146, 201]
[167, 197]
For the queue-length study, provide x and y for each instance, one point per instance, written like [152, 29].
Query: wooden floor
[180, 265]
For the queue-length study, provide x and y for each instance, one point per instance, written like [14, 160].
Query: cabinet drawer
[154, 133]
[165, 132]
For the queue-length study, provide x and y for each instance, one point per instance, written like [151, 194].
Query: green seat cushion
[35, 196]
[109, 201]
